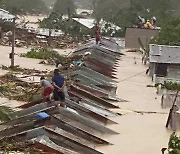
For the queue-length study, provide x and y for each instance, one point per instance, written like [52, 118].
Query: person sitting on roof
[80, 62]
[141, 22]
[153, 22]
[47, 88]
[147, 24]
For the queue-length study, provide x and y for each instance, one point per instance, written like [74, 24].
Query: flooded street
[26, 62]
[23, 62]
[139, 133]
[85, 89]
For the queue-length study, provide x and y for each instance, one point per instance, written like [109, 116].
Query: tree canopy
[169, 34]
[64, 7]
[124, 13]
[174, 144]
[24, 6]
[107, 9]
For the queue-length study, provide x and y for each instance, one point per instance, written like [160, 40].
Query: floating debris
[77, 128]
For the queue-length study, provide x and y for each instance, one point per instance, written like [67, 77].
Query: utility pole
[13, 43]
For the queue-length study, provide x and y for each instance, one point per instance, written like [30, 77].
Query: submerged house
[164, 63]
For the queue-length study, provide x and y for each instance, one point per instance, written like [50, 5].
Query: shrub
[46, 54]
[174, 144]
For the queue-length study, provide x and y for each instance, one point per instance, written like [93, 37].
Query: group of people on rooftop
[55, 87]
[148, 24]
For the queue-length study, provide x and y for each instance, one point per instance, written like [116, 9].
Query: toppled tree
[14, 89]
[49, 55]
[17, 69]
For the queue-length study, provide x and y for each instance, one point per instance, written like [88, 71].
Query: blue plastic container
[42, 115]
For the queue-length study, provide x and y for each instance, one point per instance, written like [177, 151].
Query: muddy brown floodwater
[139, 133]
[23, 63]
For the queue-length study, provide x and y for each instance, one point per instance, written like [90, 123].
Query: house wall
[152, 67]
[132, 35]
[173, 72]
[175, 124]
[168, 99]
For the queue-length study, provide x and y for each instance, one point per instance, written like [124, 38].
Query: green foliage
[107, 9]
[64, 7]
[169, 34]
[5, 113]
[151, 8]
[124, 13]
[70, 27]
[169, 85]
[45, 54]
[75, 29]
[174, 144]
[3, 89]
[54, 21]
[24, 6]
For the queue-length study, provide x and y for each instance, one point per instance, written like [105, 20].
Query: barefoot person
[47, 88]
[58, 83]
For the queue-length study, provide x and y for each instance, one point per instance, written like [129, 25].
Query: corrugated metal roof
[90, 23]
[42, 31]
[5, 15]
[164, 54]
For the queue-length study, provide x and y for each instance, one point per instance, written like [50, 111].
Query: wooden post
[13, 43]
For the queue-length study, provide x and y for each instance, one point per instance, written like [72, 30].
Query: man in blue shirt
[58, 83]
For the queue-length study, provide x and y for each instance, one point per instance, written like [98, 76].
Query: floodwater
[139, 133]
[23, 63]
[26, 62]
